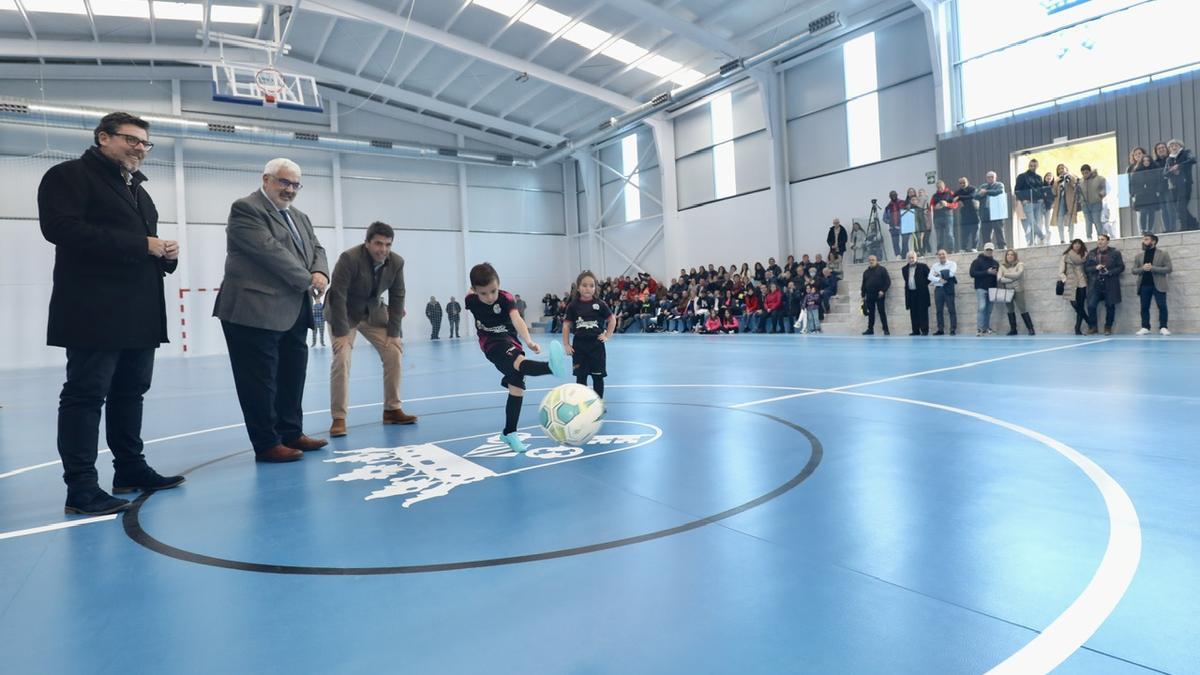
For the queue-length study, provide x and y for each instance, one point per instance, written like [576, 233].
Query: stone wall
[1050, 312]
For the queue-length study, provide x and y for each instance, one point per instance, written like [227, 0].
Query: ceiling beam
[369, 52]
[324, 38]
[195, 54]
[25, 17]
[462, 68]
[381, 17]
[206, 22]
[658, 16]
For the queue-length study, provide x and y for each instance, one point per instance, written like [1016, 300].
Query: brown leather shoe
[305, 443]
[279, 453]
[397, 417]
[337, 429]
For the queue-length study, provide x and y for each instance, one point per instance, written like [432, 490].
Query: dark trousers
[454, 326]
[115, 380]
[269, 368]
[1147, 293]
[943, 297]
[1094, 299]
[435, 322]
[993, 231]
[919, 314]
[1183, 210]
[875, 305]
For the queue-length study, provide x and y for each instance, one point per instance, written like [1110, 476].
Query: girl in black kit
[499, 325]
[593, 323]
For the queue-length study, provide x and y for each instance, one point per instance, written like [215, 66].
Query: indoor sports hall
[599, 336]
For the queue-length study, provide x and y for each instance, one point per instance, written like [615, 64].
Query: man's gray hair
[1175, 141]
[274, 166]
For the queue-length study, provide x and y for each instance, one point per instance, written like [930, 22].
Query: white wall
[421, 199]
[847, 195]
[736, 230]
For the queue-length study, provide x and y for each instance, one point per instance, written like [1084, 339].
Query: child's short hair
[483, 274]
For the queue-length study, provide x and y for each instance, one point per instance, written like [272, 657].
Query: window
[862, 105]
[629, 166]
[1071, 63]
[724, 169]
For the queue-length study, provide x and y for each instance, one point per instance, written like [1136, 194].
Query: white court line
[919, 374]
[56, 526]
[1078, 622]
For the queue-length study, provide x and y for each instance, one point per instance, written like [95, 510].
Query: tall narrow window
[724, 171]
[629, 165]
[862, 100]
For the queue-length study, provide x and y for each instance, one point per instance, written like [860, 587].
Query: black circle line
[134, 531]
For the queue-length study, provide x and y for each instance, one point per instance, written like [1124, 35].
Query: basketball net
[270, 83]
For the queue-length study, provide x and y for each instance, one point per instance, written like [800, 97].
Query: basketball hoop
[270, 83]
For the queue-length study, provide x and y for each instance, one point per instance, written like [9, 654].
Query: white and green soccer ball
[571, 414]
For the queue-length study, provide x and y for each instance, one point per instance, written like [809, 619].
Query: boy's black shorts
[503, 354]
[590, 357]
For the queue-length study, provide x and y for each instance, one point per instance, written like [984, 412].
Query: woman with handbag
[1072, 281]
[1011, 291]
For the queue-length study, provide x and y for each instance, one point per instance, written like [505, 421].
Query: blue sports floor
[756, 504]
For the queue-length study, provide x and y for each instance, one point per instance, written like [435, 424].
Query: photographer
[1103, 267]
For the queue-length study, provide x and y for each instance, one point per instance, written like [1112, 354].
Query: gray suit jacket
[266, 279]
[350, 301]
[1160, 271]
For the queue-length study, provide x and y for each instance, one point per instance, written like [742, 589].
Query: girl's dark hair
[1082, 246]
[483, 274]
[579, 280]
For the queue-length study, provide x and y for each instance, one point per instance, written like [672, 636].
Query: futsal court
[752, 505]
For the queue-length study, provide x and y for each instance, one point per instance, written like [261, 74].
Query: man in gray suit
[362, 275]
[274, 267]
[1152, 267]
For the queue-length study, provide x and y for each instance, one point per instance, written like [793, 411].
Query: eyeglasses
[285, 183]
[134, 141]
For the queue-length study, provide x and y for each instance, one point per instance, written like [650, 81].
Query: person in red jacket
[755, 316]
[729, 322]
[773, 304]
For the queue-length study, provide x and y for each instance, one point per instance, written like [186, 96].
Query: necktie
[287, 218]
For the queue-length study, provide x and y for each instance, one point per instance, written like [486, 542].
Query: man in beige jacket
[355, 305]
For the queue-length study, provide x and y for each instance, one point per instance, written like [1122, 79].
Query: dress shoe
[398, 417]
[940, 332]
[279, 453]
[337, 429]
[305, 443]
[94, 503]
[868, 332]
[145, 480]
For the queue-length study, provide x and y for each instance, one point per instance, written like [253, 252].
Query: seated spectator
[729, 323]
[819, 265]
[835, 263]
[794, 300]
[711, 325]
[829, 287]
[760, 273]
[773, 305]
[755, 315]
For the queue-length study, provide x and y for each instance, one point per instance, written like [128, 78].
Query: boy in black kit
[499, 325]
[584, 317]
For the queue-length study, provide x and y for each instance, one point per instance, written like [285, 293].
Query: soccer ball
[571, 414]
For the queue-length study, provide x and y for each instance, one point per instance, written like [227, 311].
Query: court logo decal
[429, 470]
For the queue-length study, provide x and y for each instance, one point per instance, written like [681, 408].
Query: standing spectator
[943, 206]
[968, 214]
[433, 310]
[1011, 277]
[1179, 165]
[106, 308]
[943, 277]
[984, 270]
[836, 239]
[918, 205]
[875, 283]
[874, 242]
[892, 213]
[1152, 266]
[1092, 190]
[361, 276]
[1028, 192]
[274, 268]
[1047, 195]
[1074, 280]
[773, 304]
[1103, 266]
[793, 300]
[858, 242]
[916, 293]
[1170, 218]
[1148, 186]
[1066, 203]
[453, 311]
[812, 310]
[992, 229]
[318, 327]
[520, 304]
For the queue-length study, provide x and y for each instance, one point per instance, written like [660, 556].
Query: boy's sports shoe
[513, 442]
[558, 360]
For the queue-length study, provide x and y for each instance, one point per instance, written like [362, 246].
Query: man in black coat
[837, 237]
[875, 283]
[916, 293]
[107, 308]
